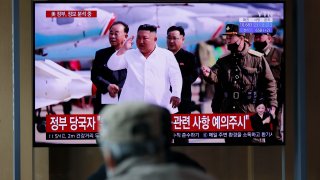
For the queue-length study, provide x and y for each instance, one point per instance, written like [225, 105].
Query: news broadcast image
[68, 35]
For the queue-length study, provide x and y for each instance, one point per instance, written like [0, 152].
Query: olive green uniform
[240, 80]
[274, 57]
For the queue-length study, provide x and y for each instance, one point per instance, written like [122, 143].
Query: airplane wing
[54, 84]
[84, 51]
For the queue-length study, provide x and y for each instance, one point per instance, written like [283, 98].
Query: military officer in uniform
[274, 57]
[241, 77]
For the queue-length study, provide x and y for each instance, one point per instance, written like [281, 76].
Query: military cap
[232, 29]
[130, 123]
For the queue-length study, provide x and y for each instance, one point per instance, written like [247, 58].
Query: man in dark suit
[188, 66]
[106, 80]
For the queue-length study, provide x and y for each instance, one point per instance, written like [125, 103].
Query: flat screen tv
[223, 110]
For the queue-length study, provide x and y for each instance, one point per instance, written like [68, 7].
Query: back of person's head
[134, 129]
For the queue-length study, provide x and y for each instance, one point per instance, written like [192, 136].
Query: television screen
[232, 75]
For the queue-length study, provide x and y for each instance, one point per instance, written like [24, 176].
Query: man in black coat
[276, 61]
[106, 80]
[188, 66]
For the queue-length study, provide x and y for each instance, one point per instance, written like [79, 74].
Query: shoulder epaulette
[256, 53]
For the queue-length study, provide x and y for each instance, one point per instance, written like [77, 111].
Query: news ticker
[205, 135]
[184, 135]
[71, 136]
[255, 25]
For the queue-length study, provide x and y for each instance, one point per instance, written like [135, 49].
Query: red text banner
[72, 123]
[210, 122]
[71, 14]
